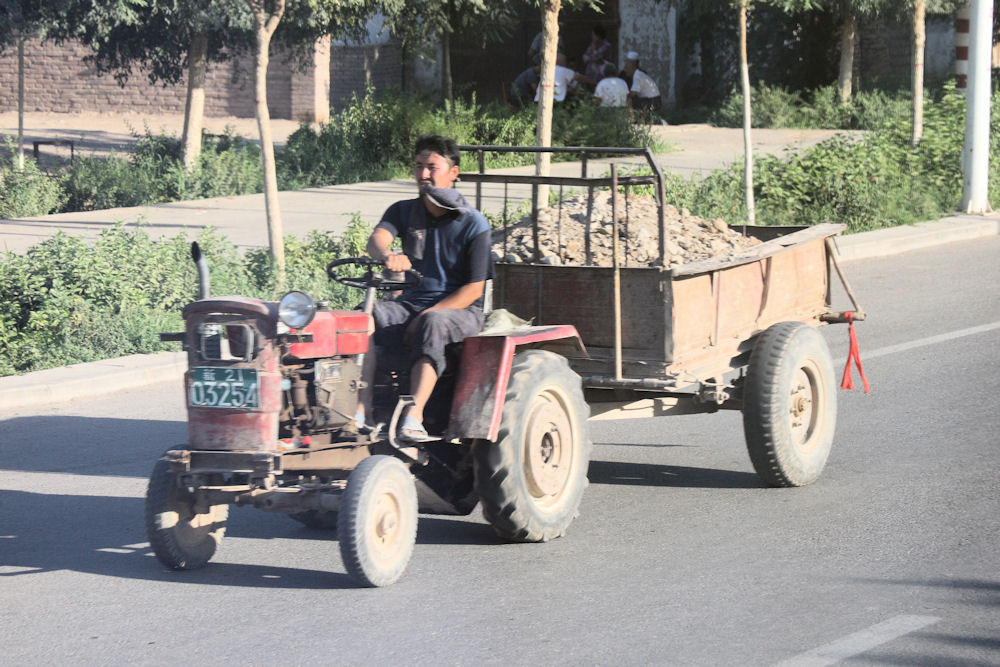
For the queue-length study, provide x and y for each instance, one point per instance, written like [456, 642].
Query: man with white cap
[643, 93]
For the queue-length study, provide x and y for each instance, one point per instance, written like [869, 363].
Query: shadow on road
[105, 536]
[651, 474]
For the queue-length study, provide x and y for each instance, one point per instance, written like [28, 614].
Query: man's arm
[463, 297]
[379, 247]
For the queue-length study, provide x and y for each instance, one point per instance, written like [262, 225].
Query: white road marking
[859, 642]
[930, 340]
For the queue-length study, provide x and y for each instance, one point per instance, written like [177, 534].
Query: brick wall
[354, 67]
[57, 80]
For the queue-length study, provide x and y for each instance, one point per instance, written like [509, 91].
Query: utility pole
[976, 152]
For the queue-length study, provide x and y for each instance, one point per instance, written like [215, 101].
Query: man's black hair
[443, 146]
[600, 31]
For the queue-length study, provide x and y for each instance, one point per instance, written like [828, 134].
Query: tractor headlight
[296, 309]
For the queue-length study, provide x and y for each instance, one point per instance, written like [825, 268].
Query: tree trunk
[847, 51]
[747, 143]
[266, 22]
[194, 108]
[20, 102]
[550, 42]
[446, 84]
[919, 39]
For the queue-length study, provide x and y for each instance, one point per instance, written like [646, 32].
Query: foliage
[372, 138]
[153, 172]
[26, 192]
[68, 301]
[871, 181]
[778, 107]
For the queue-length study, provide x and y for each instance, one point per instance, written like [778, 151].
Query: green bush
[27, 192]
[776, 107]
[876, 180]
[68, 301]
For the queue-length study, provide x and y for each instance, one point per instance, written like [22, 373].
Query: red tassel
[848, 382]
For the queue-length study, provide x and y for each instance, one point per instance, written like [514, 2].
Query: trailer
[732, 333]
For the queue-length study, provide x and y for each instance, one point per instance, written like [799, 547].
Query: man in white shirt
[611, 91]
[645, 94]
[565, 80]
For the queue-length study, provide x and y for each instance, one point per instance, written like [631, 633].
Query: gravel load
[562, 231]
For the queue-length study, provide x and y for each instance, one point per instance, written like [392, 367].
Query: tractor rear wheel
[377, 521]
[531, 480]
[182, 538]
[789, 405]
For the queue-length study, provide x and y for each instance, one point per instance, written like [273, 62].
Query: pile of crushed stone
[562, 231]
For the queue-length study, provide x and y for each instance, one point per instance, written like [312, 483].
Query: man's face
[434, 168]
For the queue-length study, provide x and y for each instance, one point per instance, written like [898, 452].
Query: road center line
[930, 340]
[859, 642]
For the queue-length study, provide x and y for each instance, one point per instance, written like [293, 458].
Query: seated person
[565, 80]
[523, 89]
[448, 242]
[611, 91]
[643, 92]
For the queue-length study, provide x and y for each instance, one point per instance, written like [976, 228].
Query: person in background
[643, 92]
[611, 91]
[565, 80]
[535, 50]
[522, 91]
[597, 53]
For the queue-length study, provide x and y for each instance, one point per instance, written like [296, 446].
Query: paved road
[679, 556]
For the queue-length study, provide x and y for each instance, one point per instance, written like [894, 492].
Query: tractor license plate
[213, 387]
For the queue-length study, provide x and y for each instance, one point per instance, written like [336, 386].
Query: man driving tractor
[447, 241]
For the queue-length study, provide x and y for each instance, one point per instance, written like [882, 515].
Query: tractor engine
[322, 371]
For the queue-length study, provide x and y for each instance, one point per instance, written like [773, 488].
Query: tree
[23, 19]
[266, 17]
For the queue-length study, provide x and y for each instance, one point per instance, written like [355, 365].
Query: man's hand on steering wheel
[398, 262]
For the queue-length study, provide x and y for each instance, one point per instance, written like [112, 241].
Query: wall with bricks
[352, 68]
[57, 80]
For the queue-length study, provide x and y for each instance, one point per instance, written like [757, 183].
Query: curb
[896, 240]
[101, 378]
[90, 380]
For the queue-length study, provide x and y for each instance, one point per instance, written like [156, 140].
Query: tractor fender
[484, 371]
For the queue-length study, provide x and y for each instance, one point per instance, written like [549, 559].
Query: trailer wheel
[316, 519]
[531, 480]
[377, 524]
[789, 405]
[182, 538]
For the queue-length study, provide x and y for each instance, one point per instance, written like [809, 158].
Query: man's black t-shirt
[449, 251]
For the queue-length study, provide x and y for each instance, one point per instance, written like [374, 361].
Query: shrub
[27, 192]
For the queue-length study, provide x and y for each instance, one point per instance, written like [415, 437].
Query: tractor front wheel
[531, 480]
[182, 537]
[377, 521]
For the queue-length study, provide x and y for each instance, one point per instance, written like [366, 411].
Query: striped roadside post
[962, 40]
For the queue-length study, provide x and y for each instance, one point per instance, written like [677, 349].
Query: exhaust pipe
[204, 290]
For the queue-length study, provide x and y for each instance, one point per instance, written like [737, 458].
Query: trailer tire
[181, 538]
[789, 405]
[316, 519]
[377, 524]
[531, 480]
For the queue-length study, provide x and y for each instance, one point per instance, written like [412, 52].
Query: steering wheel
[373, 275]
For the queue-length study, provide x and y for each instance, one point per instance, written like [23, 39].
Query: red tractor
[272, 390]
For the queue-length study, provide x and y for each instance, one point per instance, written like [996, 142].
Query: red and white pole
[962, 41]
